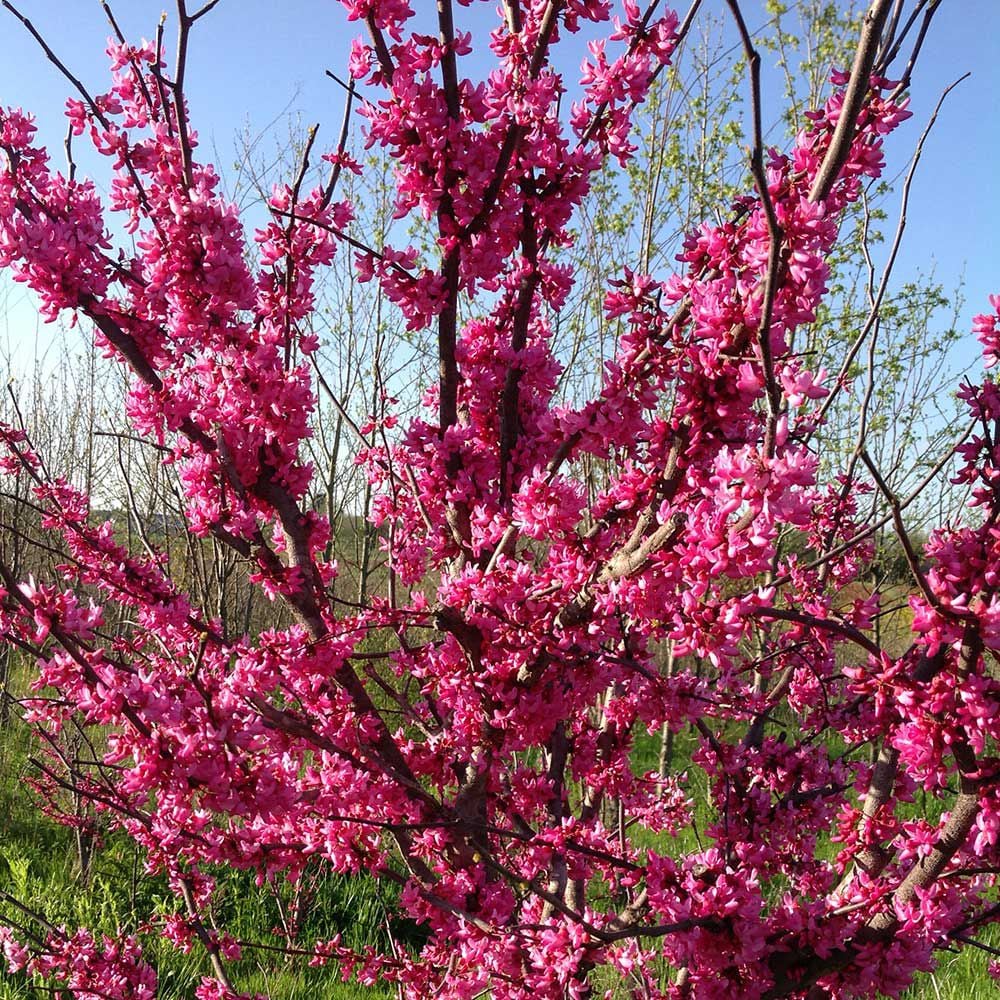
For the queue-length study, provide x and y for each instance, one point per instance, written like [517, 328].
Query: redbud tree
[469, 731]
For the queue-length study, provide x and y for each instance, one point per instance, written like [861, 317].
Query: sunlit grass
[38, 866]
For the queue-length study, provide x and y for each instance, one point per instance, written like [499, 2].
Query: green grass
[960, 976]
[38, 865]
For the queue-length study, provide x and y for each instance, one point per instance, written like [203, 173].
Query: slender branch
[381, 49]
[854, 96]
[843, 629]
[345, 128]
[774, 231]
[184, 23]
[208, 942]
[912, 560]
[876, 305]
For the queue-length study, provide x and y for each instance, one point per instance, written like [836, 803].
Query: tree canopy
[616, 706]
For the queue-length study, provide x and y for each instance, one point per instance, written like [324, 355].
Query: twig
[857, 87]
[345, 128]
[876, 305]
[909, 553]
[774, 231]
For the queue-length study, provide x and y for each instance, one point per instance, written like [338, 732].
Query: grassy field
[39, 865]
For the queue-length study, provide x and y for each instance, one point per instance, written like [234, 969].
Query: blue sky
[252, 61]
